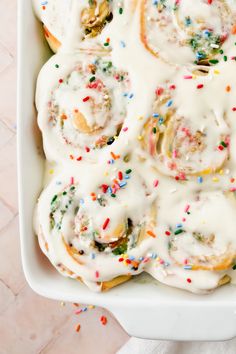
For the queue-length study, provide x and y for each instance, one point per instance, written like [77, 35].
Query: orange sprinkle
[77, 328]
[150, 233]
[228, 88]
[75, 304]
[233, 30]
[71, 157]
[103, 320]
[64, 116]
[114, 156]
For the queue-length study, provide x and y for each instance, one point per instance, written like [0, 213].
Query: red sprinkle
[103, 320]
[159, 91]
[120, 175]
[128, 261]
[105, 224]
[121, 259]
[85, 99]
[234, 109]
[60, 81]
[87, 149]
[200, 86]
[167, 233]
[189, 280]
[79, 158]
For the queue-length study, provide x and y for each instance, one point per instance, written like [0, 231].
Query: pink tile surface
[29, 323]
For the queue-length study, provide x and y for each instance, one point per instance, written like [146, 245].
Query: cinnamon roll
[82, 103]
[92, 229]
[186, 31]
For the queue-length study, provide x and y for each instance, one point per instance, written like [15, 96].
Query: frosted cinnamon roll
[78, 19]
[186, 31]
[184, 136]
[92, 229]
[82, 102]
[195, 240]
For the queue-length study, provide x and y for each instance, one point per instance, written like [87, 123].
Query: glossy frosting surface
[140, 139]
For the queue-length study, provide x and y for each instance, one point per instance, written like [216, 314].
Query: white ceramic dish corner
[143, 307]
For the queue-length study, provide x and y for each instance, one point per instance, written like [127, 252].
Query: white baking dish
[143, 307]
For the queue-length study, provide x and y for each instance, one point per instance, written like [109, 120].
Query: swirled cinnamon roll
[76, 20]
[92, 229]
[186, 31]
[184, 135]
[195, 240]
[82, 103]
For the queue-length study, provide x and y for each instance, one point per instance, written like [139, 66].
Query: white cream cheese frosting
[165, 174]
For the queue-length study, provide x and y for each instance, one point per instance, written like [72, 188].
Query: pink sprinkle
[78, 312]
[155, 183]
[72, 180]
[146, 259]
[188, 77]
[233, 189]
[174, 155]
[125, 129]
[172, 87]
[200, 86]
[161, 261]
[97, 274]
[187, 208]
[185, 261]
[184, 219]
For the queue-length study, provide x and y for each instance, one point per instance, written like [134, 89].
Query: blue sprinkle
[127, 177]
[109, 189]
[81, 201]
[122, 184]
[179, 225]
[122, 43]
[155, 115]
[93, 255]
[169, 103]
[132, 258]
[200, 179]
[188, 267]
[131, 95]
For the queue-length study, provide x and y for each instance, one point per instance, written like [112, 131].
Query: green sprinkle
[120, 11]
[223, 144]
[93, 78]
[54, 199]
[128, 171]
[234, 267]
[113, 195]
[57, 66]
[154, 130]
[106, 44]
[214, 61]
[179, 231]
[225, 58]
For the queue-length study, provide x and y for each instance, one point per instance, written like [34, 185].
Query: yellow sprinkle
[140, 118]
[140, 137]
[51, 172]
[91, 307]
[217, 72]
[215, 179]
[194, 76]
[106, 173]
[125, 256]
[221, 172]
[206, 172]
[115, 137]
